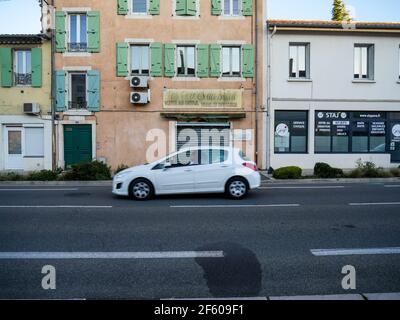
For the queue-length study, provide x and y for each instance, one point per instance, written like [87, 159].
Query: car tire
[141, 190]
[237, 188]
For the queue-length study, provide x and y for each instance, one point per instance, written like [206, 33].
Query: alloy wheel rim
[237, 188]
[141, 190]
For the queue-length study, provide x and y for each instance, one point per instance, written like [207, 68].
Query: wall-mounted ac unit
[139, 82]
[31, 108]
[140, 97]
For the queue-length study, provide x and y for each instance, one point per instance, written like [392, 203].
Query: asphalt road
[265, 242]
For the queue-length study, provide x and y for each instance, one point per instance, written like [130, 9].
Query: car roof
[208, 148]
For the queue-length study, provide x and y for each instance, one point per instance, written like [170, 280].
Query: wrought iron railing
[77, 47]
[23, 79]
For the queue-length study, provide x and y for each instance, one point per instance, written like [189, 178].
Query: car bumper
[120, 188]
[254, 180]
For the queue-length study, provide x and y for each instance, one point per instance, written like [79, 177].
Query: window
[140, 60]
[232, 7]
[299, 61]
[186, 61]
[291, 128]
[34, 142]
[77, 33]
[399, 63]
[22, 68]
[139, 6]
[231, 62]
[354, 132]
[213, 156]
[364, 62]
[77, 91]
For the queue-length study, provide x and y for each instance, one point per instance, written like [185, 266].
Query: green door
[77, 144]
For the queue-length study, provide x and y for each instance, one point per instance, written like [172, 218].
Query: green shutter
[93, 31]
[154, 7]
[215, 63]
[36, 56]
[180, 9]
[216, 8]
[203, 61]
[248, 61]
[6, 67]
[93, 90]
[122, 59]
[60, 90]
[60, 31]
[122, 7]
[247, 7]
[156, 59]
[169, 60]
[191, 7]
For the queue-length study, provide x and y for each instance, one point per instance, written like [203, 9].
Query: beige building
[25, 103]
[130, 73]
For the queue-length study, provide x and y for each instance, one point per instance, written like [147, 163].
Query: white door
[178, 177]
[13, 148]
[214, 170]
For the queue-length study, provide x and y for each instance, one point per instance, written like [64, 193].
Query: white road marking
[392, 186]
[60, 207]
[110, 255]
[65, 189]
[305, 187]
[375, 204]
[237, 206]
[350, 252]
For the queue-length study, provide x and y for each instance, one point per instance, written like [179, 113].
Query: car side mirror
[167, 165]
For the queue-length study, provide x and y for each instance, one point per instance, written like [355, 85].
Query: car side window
[213, 156]
[183, 159]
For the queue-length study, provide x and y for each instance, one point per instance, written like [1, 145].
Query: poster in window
[282, 137]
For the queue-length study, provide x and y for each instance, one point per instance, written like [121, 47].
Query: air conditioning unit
[140, 97]
[139, 82]
[31, 108]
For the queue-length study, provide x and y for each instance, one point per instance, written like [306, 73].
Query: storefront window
[291, 131]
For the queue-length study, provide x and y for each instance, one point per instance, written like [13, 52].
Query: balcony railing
[77, 47]
[23, 79]
[77, 105]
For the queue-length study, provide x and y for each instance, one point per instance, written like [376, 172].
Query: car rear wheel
[141, 189]
[237, 188]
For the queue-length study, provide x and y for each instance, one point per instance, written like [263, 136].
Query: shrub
[88, 172]
[120, 168]
[287, 173]
[43, 175]
[395, 172]
[11, 176]
[368, 169]
[324, 170]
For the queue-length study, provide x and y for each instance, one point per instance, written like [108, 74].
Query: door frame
[61, 159]
[7, 128]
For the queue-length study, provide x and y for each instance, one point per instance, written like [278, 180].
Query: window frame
[307, 46]
[307, 126]
[186, 75]
[16, 65]
[131, 45]
[78, 32]
[370, 62]
[25, 136]
[139, 13]
[231, 14]
[231, 75]
[69, 86]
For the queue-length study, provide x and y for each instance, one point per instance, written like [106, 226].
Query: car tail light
[250, 166]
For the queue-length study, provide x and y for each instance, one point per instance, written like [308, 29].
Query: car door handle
[224, 166]
[188, 170]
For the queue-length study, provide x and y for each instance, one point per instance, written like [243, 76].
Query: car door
[215, 168]
[176, 174]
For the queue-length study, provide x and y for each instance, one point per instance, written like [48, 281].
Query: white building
[334, 94]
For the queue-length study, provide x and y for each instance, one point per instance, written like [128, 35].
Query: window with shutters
[140, 60]
[232, 7]
[364, 62]
[22, 68]
[77, 32]
[77, 90]
[186, 8]
[299, 61]
[186, 61]
[140, 7]
[231, 61]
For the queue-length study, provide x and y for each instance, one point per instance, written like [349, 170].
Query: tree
[339, 11]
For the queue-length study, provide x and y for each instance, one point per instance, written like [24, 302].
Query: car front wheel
[237, 188]
[141, 189]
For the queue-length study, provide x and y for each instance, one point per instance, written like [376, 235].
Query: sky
[23, 16]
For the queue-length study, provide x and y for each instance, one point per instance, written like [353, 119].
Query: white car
[192, 170]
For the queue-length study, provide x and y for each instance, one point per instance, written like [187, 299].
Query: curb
[58, 183]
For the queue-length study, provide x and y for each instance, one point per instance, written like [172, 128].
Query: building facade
[334, 94]
[25, 103]
[136, 79]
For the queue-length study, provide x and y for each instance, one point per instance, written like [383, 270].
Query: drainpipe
[267, 115]
[53, 91]
[257, 82]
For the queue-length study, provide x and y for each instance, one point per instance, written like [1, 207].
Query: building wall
[122, 127]
[331, 88]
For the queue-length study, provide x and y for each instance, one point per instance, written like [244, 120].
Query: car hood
[135, 169]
